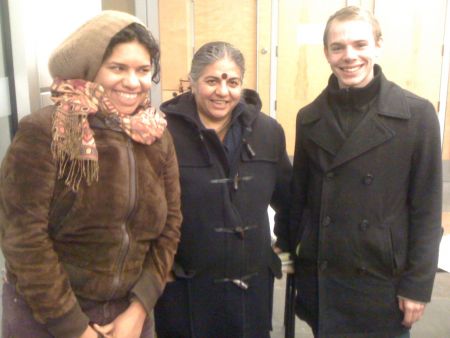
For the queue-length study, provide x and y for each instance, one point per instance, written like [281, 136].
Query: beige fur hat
[80, 55]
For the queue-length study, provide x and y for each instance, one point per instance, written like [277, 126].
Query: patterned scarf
[73, 144]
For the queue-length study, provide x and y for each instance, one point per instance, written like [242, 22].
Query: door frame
[445, 75]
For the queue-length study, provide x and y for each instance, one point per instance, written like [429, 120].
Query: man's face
[351, 51]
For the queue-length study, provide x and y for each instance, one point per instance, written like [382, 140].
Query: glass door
[6, 112]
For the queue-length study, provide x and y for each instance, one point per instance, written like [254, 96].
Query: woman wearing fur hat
[89, 193]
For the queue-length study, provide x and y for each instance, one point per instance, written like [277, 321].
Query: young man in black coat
[367, 193]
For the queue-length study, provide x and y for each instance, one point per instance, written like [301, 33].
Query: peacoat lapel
[321, 127]
[370, 133]
[327, 134]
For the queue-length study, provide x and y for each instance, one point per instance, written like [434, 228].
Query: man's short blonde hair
[354, 13]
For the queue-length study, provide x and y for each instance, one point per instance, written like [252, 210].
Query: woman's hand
[89, 333]
[126, 325]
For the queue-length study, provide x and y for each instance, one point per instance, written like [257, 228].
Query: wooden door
[233, 21]
[413, 37]
[186, 25]
[176, 44]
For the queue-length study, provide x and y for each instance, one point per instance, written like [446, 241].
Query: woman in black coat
[233, 165]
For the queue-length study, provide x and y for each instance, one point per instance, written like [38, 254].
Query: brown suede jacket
[116, 238]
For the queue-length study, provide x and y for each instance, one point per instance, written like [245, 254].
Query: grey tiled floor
[434, 324]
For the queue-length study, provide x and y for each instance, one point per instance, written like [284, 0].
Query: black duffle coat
[225, 264]
[367, 213]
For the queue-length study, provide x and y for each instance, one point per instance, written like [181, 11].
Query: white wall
[37, 27]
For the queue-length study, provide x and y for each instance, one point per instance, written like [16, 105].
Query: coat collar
[184, 106]
[391, 102]
[321, 126]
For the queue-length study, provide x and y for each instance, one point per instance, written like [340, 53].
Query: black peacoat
[225, 263]
[367, 213]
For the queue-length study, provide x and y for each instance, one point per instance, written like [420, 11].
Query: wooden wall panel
[446, 143]
[263, 52]
[175, 41]
[303, 70]
[168, 94]
[233, 21]
[119, 5]
[412, 44]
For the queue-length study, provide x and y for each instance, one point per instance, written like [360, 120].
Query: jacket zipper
[125, 245]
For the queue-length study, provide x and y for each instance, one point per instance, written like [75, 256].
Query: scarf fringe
[75, 170]
[65, 150]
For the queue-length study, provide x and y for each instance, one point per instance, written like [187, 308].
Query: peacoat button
[241, 284]
[368, 179]
[330, 175]
[326, 221]
[364, 225]
[239, 232]
[323, 266]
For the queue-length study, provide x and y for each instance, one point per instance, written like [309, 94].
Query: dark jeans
[18, 321]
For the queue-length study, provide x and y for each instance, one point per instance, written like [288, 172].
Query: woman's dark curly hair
[137, 32]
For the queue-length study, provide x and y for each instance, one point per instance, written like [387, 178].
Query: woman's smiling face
[126, 76]
[218, 90]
